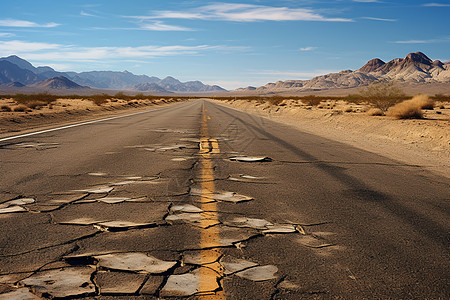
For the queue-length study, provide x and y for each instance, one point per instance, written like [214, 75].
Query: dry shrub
[36, 104]
[409, 109]
[348, 109]
[312, 100]
[5, 108]
[383, 94]
[275, 100]
[99, 99]
[424, 101]
[21, 108]
[375, 112]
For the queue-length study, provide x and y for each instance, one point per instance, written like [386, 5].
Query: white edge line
[74, 125]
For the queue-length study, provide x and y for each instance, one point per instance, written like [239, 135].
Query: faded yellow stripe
[211, 236]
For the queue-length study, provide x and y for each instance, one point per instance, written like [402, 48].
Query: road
[199, 200]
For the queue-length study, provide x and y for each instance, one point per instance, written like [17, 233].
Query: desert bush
[36, 104]
[21, 108]
[383, 94]
[140, 96]
[5, 108]
[121, 95]
[375, 112]
[311, 100]
[352, 98]
[41, 97]
[424, 101]
[348, 109]
[441, 98]
[409, 109]
[275, 100]
[99, 99]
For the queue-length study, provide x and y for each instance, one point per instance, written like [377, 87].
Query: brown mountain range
[416, 68]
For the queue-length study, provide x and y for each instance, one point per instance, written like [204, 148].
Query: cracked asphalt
[199, 201]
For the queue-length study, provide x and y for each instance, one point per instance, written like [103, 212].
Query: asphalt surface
[101, 211]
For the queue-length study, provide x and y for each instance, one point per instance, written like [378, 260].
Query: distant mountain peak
[372, 65]
[20, 62]
[58, 82]
[419, 57]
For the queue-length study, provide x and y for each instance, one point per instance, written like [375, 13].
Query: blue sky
[233, 43]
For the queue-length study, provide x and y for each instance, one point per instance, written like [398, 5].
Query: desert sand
[67, 111]
[418, 142]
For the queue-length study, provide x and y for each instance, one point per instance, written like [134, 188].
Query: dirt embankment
[66, 111]
[422, 142]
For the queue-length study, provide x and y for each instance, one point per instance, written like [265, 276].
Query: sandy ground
[421, 142]
[66, 111]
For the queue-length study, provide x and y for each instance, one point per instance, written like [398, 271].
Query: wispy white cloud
[70, 53]
[379, 19]
[23, 23]
[447, 39]
[244, 13]
[12, 47]
[413, 42]
[160, 26]
[367, 1]
[433, 4]
[308, 48]
[6, 34]
[85, 14]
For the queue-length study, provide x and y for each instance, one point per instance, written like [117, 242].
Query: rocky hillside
[59, 82]
[414, 68]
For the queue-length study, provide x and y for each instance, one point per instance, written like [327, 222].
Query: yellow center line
[210, 236]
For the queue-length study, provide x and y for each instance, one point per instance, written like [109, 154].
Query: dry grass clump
[410, 109]
[21, 108]
[424, 101]
[348, 109]
[46, 98]
[311, 100]
[275, 100]
[375, 112]
[99, 99]
[36, 104]
[6, 108]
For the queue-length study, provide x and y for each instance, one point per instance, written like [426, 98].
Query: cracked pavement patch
[221, 196]
[97, 190]
[232, 265]
[19, 294]
[118, 282]
[33, 145]
[260, 273]
[186, 208]
[13, 206]
[248, 222]
[191, 283]
[136, 262]
[64, 282]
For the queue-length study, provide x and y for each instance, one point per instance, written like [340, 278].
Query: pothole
[251, 158]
